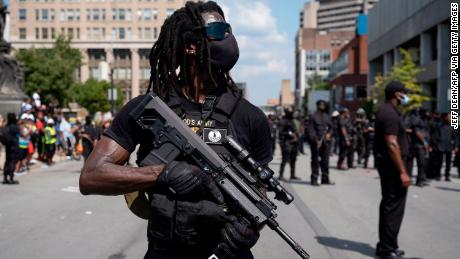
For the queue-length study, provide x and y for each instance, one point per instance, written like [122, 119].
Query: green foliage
[93, 95]
[51, 70]
[406, 72]
[316, 82]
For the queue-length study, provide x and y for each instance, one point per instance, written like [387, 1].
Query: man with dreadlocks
[190, 66]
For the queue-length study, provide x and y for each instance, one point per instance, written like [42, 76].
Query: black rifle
[171, 138]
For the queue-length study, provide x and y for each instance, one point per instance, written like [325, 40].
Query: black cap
[393, 87]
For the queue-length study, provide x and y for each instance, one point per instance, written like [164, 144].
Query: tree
[406, 72]
[53, 71]
[316, 82]
[93, 95]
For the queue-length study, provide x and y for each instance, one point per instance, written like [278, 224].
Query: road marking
[88, 212]
[71, 189]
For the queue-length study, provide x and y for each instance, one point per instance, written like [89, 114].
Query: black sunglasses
[216, 30]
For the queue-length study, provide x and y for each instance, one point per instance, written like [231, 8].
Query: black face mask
[224, 53]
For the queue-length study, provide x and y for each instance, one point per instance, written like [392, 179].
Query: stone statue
[2, 20]
[11, 75]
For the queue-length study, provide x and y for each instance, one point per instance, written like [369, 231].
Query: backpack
[5, 136]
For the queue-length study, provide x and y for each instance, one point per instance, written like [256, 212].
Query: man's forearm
[112, 179]
[395, 154]
[104, 171]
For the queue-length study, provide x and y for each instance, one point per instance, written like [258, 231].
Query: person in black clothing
[369, 133]
[359, 124]
[443, 145]
[88, 137]
[418, 144]
[320, 134]
[346, 140]
[273, 130]
[390, 149]
[10, 134]
[190, 65]
[289, 141]
[433, 123]
[335, 132]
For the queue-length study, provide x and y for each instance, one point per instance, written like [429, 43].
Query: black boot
[293, 177]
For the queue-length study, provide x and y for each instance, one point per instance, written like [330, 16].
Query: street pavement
[46, 217]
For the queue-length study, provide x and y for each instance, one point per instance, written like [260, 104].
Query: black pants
[392, 206]
[154, 255]
[419, 153]
[10, 163]
[440, 156]
[368, 151]
[288, 154]
[320, 158]
[360, 147]
[345, 152]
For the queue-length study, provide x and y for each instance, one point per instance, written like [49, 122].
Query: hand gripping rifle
[171, 138]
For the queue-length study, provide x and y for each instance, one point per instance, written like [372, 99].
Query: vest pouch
[161, 224]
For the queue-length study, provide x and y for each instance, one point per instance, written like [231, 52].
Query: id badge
[214, 136]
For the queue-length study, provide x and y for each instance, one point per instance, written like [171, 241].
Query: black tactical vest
[171, 229]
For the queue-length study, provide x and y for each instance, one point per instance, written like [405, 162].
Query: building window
[37, 33]
[44, 16]
[45, 33]
[78, 33]
[169, 12]
[114, 33]
[69, 15]
[22, 14]
[52, 14]
[155, 33]
[147, 33]
[62, 15]
[128, 15]
[361, 92]
[53, 33]
[121, 33]
[77, 14]
[145, 73]
[148, 14]
[22, 33]
[70, 33]
[95, 73]
[129, 33]
[121, 14]
[349, 93]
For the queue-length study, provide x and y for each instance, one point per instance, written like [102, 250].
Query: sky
[265, 31]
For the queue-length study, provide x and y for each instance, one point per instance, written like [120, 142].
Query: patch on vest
[214, 136]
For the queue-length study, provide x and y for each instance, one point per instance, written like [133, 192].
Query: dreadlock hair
[167, 56]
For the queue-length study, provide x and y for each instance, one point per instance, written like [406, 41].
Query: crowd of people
[39, 131]
[432, 141]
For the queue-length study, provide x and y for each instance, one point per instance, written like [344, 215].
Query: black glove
[236, 238]
[185, 179]
[203, 214]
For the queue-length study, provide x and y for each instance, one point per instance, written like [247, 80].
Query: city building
[325, 27]
[286, 94]
[121, 32]
[421, 27]
[348, 75]
[333, 15]
[315, 51]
